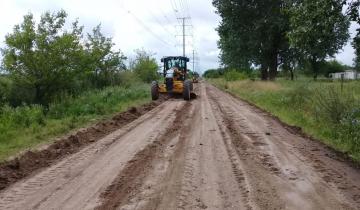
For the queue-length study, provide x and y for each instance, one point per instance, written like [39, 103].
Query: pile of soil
[31, 161]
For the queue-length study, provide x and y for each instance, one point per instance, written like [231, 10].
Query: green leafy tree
[354, 15]
[46, 60]
[253, 32]
[104, 63]
[333, 66]
[213, 73]
[319, 29]
[43, 59]
[145, 66]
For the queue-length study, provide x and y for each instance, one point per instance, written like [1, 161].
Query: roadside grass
[326, 110]
[27, 127]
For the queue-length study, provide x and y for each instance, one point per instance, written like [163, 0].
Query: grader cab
[176, 82]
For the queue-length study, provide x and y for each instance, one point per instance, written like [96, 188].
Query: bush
[298, 96]
[145, 66]
[23, 116]
[233, 75]
[97, 102]
[128, 78]
[350, 130]
[331, 103]
[213, 73]
[5, 88]
[333, 66]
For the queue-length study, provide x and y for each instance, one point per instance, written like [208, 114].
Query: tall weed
[349, 130]
[233, 75]
[332, 103]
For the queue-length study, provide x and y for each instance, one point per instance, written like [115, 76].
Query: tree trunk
[273, 66]
[292, 74]
[315, 68]
[38, 95]
[264, 73]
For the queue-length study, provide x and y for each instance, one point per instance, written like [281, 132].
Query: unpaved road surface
[215, 152]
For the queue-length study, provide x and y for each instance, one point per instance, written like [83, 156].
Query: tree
[354, 15]
[145, 66]
[103, 62]
[319, 29]
[253, 32]
[47, 60]
[213, 73]
[332, 66]
[43, 59]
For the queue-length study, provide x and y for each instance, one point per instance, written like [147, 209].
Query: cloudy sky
[135, 24]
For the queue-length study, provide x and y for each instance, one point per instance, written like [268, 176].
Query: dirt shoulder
[34, 160]
[341, 156]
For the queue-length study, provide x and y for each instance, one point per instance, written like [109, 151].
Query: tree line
[43, 61]
[284, 33]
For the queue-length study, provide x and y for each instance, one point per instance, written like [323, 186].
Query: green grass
[28, 127]
[323, 109]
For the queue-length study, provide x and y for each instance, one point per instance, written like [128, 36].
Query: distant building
[348, 75]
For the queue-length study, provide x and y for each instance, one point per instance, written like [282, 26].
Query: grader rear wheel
[187, 90]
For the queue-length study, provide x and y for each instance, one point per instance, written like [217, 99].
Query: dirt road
[215, 152]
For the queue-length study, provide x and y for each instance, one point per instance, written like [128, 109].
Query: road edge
[296, 130]
[32, 160]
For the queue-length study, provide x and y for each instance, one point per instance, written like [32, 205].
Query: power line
[162, 25]
[165, 16]
[172, 2]
[145, 26]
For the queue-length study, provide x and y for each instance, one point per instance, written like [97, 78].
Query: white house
[348, 75]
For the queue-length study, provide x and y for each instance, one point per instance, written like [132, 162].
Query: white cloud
[138, 24]
[132, 24]
[347, 54]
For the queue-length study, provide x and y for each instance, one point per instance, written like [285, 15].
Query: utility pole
[184, 33]
[183, 36]
[193, 61]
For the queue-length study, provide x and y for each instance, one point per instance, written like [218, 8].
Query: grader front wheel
[154, 91]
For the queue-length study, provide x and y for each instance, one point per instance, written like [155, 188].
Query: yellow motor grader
[176, 80]
[196, 77]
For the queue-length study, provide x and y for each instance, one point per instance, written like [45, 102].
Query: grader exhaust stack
[176, 81]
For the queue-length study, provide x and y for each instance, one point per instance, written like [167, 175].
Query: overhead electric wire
[165, 16]
[161, 25]
[146, 27]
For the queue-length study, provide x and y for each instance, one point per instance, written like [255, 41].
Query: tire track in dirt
[31, 161]
[205, 176]
[76, 181]
[215, 152]
[241, 146]
[270, 154]
[129, 181]
[196, 173]
[238, 168]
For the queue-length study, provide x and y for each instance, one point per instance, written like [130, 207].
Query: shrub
[332, 103]
[128, 78]
[350, 130]
[233, 75]
[5, 88]
[145, 66]
[213, 73]
[23, 116]
[298, 96]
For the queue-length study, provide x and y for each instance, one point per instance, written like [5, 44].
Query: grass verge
[329, 111]
[27, 127]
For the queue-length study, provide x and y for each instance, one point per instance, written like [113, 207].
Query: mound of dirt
[22, 166]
